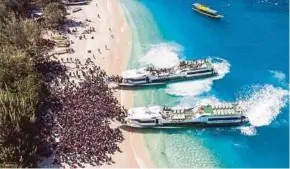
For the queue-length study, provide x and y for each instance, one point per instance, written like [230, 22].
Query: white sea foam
[162, 55]
[248, 130]
[197, 87]
[263, 104]
[280, 76]
[191, 88]
[168, 55]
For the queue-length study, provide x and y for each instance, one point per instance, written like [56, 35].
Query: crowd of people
[77, 116]
[193, 64]
[77, 121]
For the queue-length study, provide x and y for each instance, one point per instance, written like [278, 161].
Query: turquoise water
[249, 46]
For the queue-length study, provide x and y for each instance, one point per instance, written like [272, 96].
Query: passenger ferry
[224, 114]
[185, 70]
[206, 11]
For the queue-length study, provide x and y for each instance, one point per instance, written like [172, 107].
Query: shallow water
[250, 47]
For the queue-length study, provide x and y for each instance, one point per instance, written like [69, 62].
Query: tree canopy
[54, 14]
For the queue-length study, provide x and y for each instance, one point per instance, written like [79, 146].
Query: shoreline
[133, 155]
[110, 48]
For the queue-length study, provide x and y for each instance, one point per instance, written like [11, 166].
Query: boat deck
[217, 110]
[224, 109]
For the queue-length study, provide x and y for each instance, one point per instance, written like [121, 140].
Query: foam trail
[263, 104]
[162, 55]
[197, 87]
[191, 88]
[248, 130]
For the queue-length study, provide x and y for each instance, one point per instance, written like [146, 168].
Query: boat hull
[138, 85]
[212, 16]
[191, 125]
[169, 80]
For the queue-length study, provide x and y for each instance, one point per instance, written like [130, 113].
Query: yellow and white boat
[206, 11]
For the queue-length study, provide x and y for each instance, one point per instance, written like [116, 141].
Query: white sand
[111, 31]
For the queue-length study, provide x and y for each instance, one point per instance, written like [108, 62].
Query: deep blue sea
[251, 44]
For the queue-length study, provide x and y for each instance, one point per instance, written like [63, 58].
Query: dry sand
[110, 48]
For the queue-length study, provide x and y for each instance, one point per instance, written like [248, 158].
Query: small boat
[222, 114]
[206, 11]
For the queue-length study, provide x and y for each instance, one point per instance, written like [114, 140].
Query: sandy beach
[109, 47]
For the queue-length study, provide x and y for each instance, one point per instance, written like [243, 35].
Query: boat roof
[224, 108]
[204, 8]
[208, 109]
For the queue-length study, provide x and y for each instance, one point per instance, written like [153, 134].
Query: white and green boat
[223, 114]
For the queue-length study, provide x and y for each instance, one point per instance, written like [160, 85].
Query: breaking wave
[197, 87]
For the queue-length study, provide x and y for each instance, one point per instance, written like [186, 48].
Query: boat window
[196, 72]
[144, 121]
[159, 80]
[227, 118]
[135, 80]
[157, 121]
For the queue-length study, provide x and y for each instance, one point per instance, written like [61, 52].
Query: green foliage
[43, 3]
[19, 7]
[54, 14]
[22, 34]
[17, 73]
[21, 49]
[18, 144]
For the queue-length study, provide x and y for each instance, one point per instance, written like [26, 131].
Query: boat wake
[162, 55]
[262, 104]
[197, 87]
[248, 130]
[170, 54]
